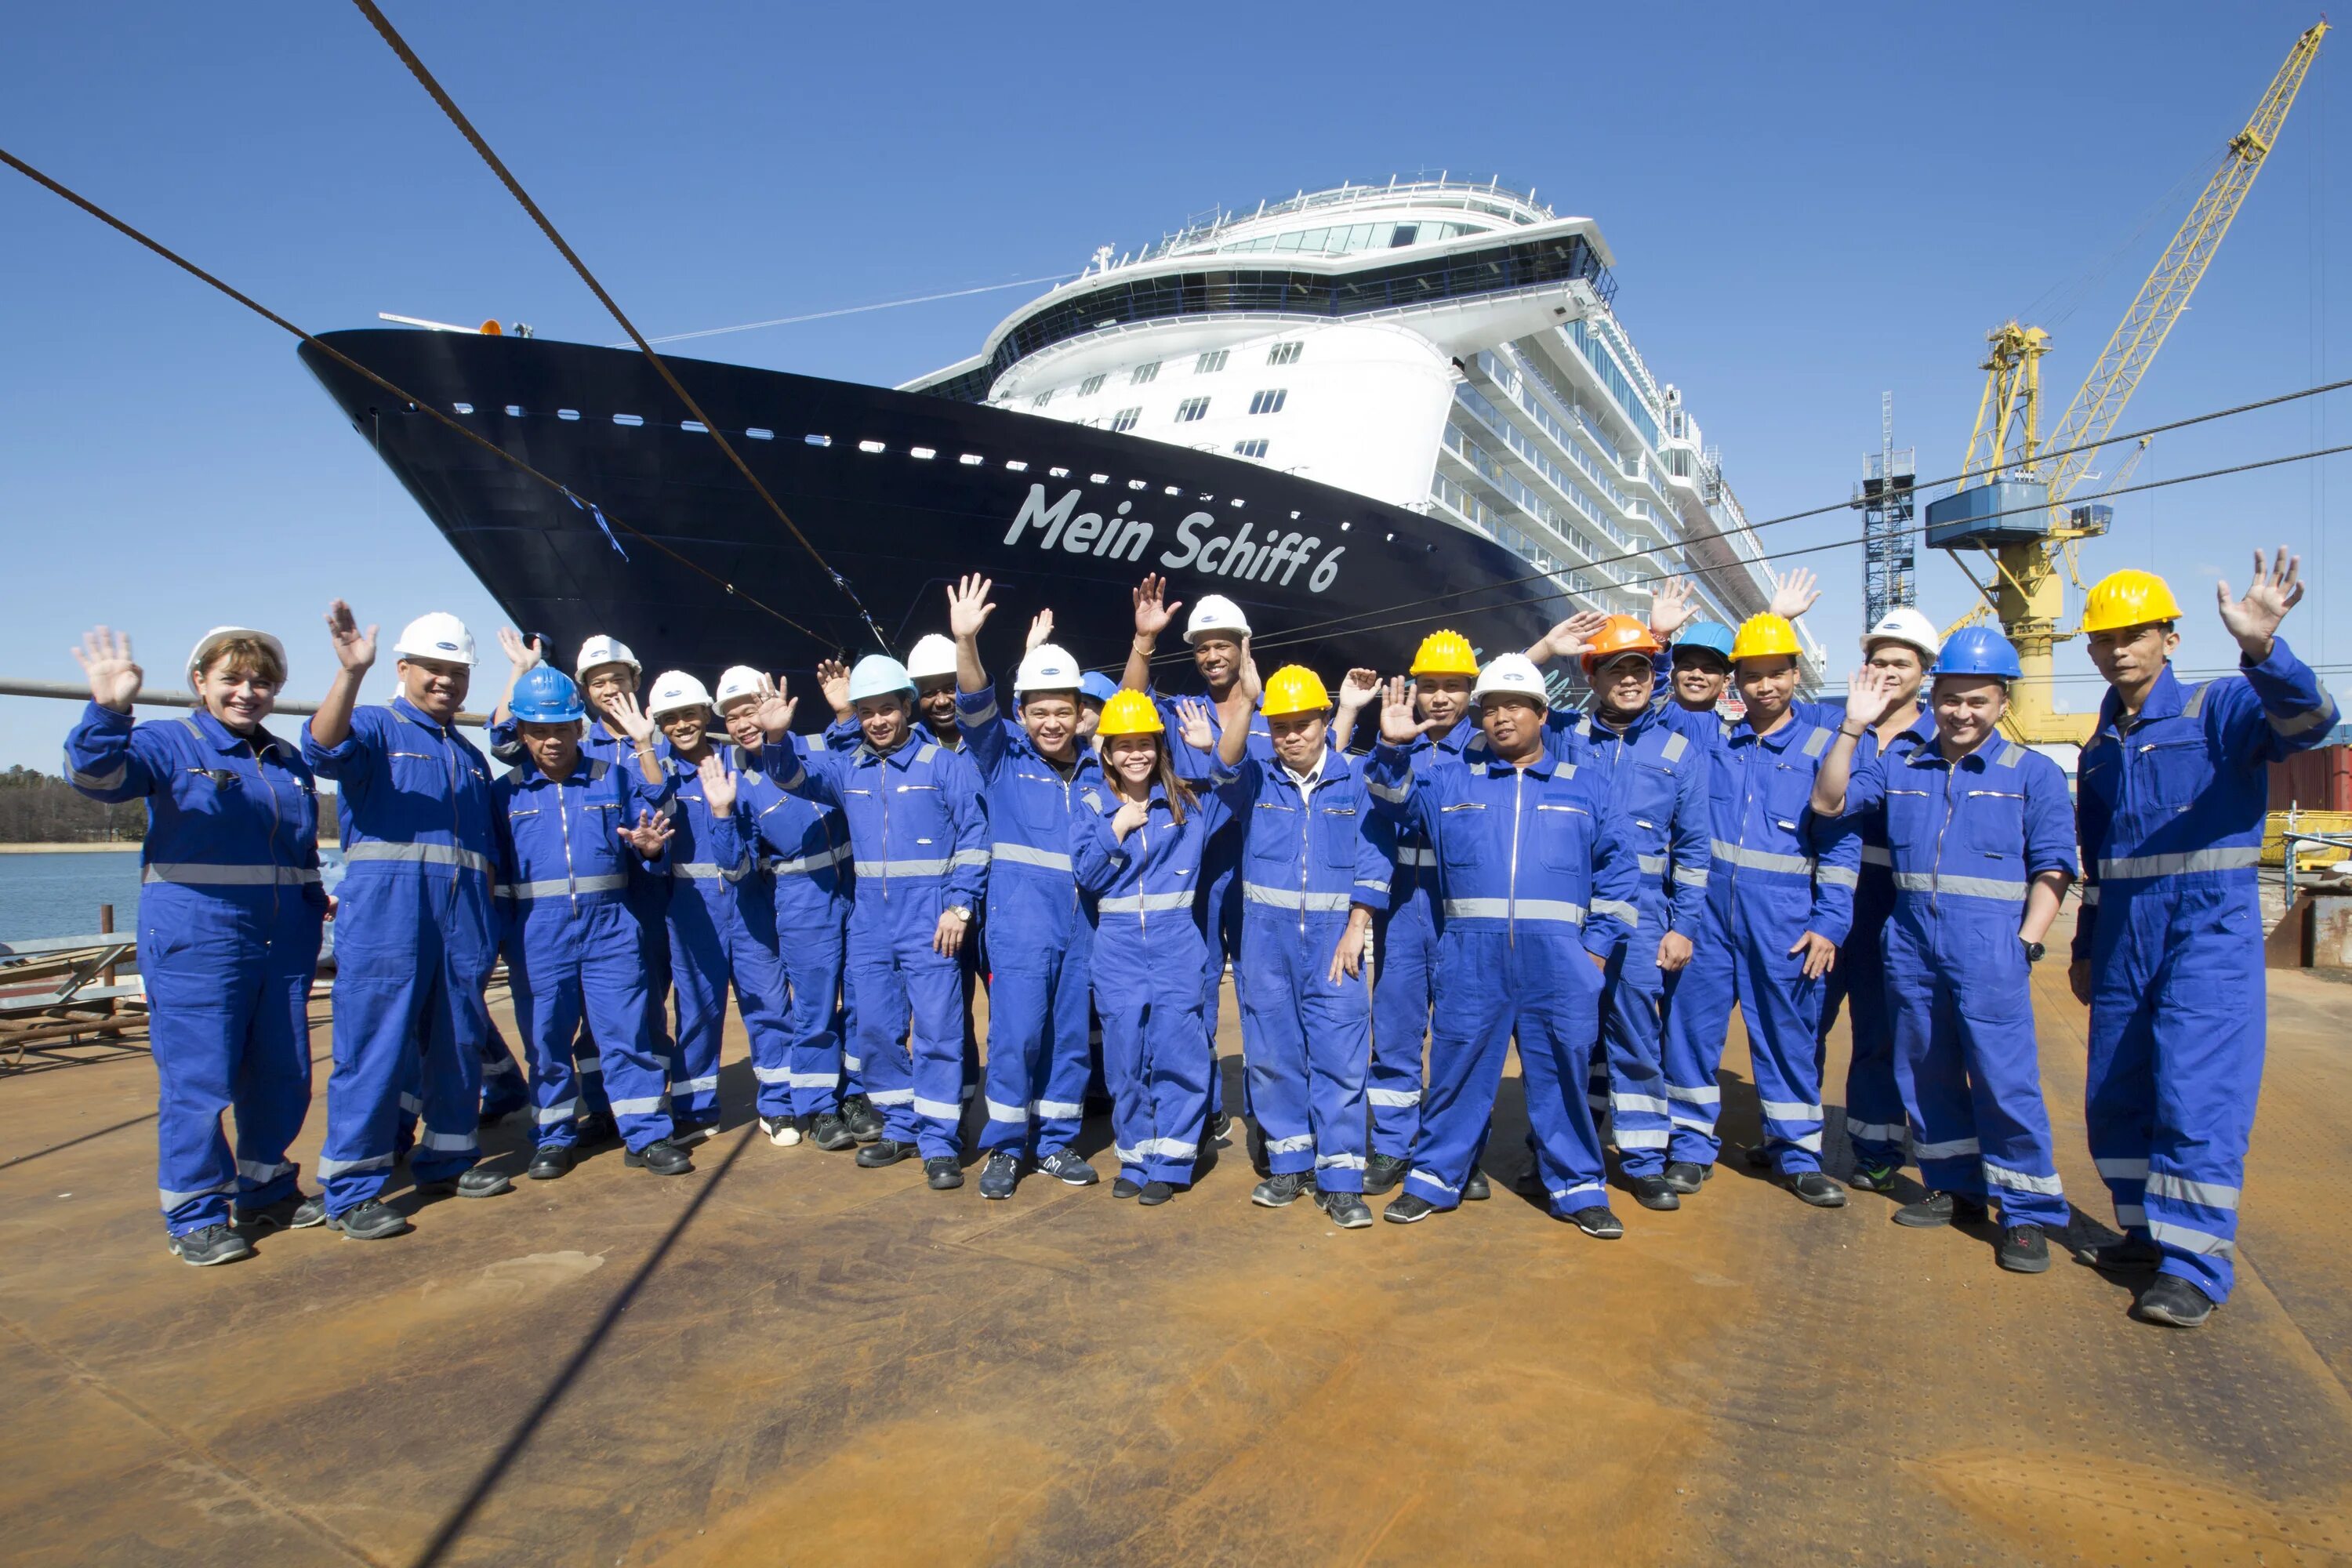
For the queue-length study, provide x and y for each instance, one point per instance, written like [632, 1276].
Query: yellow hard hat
[1764, 637]
[2129, 598]
[1293, 688]
[1130, 712]
[1445, 653]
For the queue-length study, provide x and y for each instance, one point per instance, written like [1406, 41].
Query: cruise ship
[1362, 413]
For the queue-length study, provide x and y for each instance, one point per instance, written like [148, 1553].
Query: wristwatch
[2034, 952]
[961, 913]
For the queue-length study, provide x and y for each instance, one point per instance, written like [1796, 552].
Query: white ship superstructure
[1445, 346]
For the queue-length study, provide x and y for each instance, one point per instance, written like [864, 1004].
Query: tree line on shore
[41, 808]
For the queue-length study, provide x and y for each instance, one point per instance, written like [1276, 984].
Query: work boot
[661, 1156]
[208, 1244]
[370, 1219]
[1597, 1222]
[1476, 1190]
[1382, 1172]
[782, 1131]
[1815, 1188]
[1938, 1208]
[1154, 1193]
[1219, 1125]
[481, 1182]
[550, 1161]
[1000, 1175]
[883, 1152]
[1064, 1166]
[857, 1113]
[1654, 1192]
[1686, 1176]
[1279, 1191]
[1407, 1207]
[2132, 1255]
[1873, 1178]
[686, 1134]
[1759, 1157]
[943, 1173]
[1347, 1210]
[291, 1213]
[1125, 1187]
[2023, 1249]
[2174, 1302]
[829, 1132]
[1529, 1184]
[598, 1129]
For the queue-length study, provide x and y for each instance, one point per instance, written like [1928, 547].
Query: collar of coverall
[582, 767]
[1980, 757]
[225, 738]
[1329, 764]
[1778, 738]
[2164, 701]
[401, 705]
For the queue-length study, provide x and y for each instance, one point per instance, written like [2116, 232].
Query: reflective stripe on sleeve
[1691, 875]
[103, 781]
[1624, 911]
[1652, 865]
[1838, 876]
[2309, 719]
[804, 864]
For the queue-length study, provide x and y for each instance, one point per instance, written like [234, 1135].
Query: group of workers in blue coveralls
[1598, 885]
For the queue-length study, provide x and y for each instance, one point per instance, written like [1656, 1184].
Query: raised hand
[1153, 609]
[1567, 638]
[718, 785]
[522, 656]
[1130, 816]
[354, 649]
[772, 710]
[650, 837]
[1193, 725]
[2275, 590]
[1400, 725]
[114, 679]
[968, 607]
[1869, 693]
[1041, 630]
[1247, 678]
[833, 685]
[1361, 689]
[1673, 603]
[1794, 594]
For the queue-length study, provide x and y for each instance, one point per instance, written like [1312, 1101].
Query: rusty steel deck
[785, 1359]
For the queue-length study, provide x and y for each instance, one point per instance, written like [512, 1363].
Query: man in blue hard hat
[1981, 834]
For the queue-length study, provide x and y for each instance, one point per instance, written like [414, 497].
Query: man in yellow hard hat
[2169, 800]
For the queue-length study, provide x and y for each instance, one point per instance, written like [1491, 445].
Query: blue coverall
[1404, 975]
[1149, 956]
[803, 845]
[416, 938]
[1307, 1039]
[229, 916]
[1538, 881]
[1967, 838]
[2169, 806]
[1039, 944]
[722, 931]
[919, 844]
[572, 943]
[1779, 873]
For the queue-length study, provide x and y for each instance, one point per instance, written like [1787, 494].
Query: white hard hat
[439, 635]
[1511, 675]
[735, 682]
[206, 645]
[879, 675]
[1904, 625]
[1048, 669]
[602, 650]
[675, 691]
[1215, 613]
[932, 656]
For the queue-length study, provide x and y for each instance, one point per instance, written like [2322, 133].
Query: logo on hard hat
[447, 647]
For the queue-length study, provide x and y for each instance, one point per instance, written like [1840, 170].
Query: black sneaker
[857, 1113]
[292, 1213]
[829, 1132]
[1347, 1210]
[481, 1182]
[1382, 1172]
[203, 1247]
[1759, 1157]
[1873, 1178]
[1407, 1207]
[686, 1134]
[1066, 1167]
[1938, 1208]
[1154, 1193]
[883, 1152]
[1476, 1190]
[1280, 1190]
[1219, 1125]
[1654, 1192]
[1000, 1175]
[550, 1161]
[371, 1219]
[2132, 1255]
[1815, 1188]
[784, 1131]
[2174, 1302]
[598, 1129]
[943, 1173]
[661, 1156]
[1686, 1176]
[1597, 1222]
[2023, 1249]
[1125, 1187]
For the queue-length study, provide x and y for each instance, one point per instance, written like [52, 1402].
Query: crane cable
[266, 314]
[390, 35]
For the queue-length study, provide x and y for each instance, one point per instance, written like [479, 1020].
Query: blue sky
[1809, 205]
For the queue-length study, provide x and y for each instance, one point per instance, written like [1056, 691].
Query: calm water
[58, 895]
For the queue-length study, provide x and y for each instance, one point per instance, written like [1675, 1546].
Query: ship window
[567, 414]
[1192, 408]
[1058, 473]
[628, 418]
[1041, 399]
[1125, 418]
[1144, 373]
[762, 433]
[1089, 386]
[926, 453]
[1249, 448]
[514, 410]
[1097, 478]
[759, 435]
[1269, 402]
[1210, 363]
[1238, 500]
[694, 425]
[1135, 484]
[463, 407]
[970, 460]
[1174, 491]
[1406, 233]
[870, 446]
[1017, 466]
[1284, 353]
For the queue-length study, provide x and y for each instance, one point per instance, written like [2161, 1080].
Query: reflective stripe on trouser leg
[1875, 1121]
[1633, 1060]
[1400, 999]
[701, 970]
[506, 1086]
[543, 975]
[759, 997]
[1470, 1029]
[1062, 1107]
[1020, 1004]
[935, 998]
[884, 1067]
[1697, 1000]
[1558, 995]
[1307, 1046]
[614, 988]
[1781, 1011]
[812, 964]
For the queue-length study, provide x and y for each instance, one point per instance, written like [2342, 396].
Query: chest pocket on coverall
[1996, 818]
[1563, 835]
[1462, 837]
[1272, 835]
[1037, 802]
[1339, 834]
[2169, 771]
[1910, 815]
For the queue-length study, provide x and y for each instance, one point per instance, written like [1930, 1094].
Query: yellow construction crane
[2012, 502]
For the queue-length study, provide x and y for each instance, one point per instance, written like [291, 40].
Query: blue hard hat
[1978, 650]
[1713, 635]
[1097, 687]
[545, 696]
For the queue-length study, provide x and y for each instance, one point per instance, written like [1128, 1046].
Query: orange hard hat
[1624, 634]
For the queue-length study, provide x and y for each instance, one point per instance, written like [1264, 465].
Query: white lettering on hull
[1242, 555]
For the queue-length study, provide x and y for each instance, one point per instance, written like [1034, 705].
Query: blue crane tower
[1884, 500]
